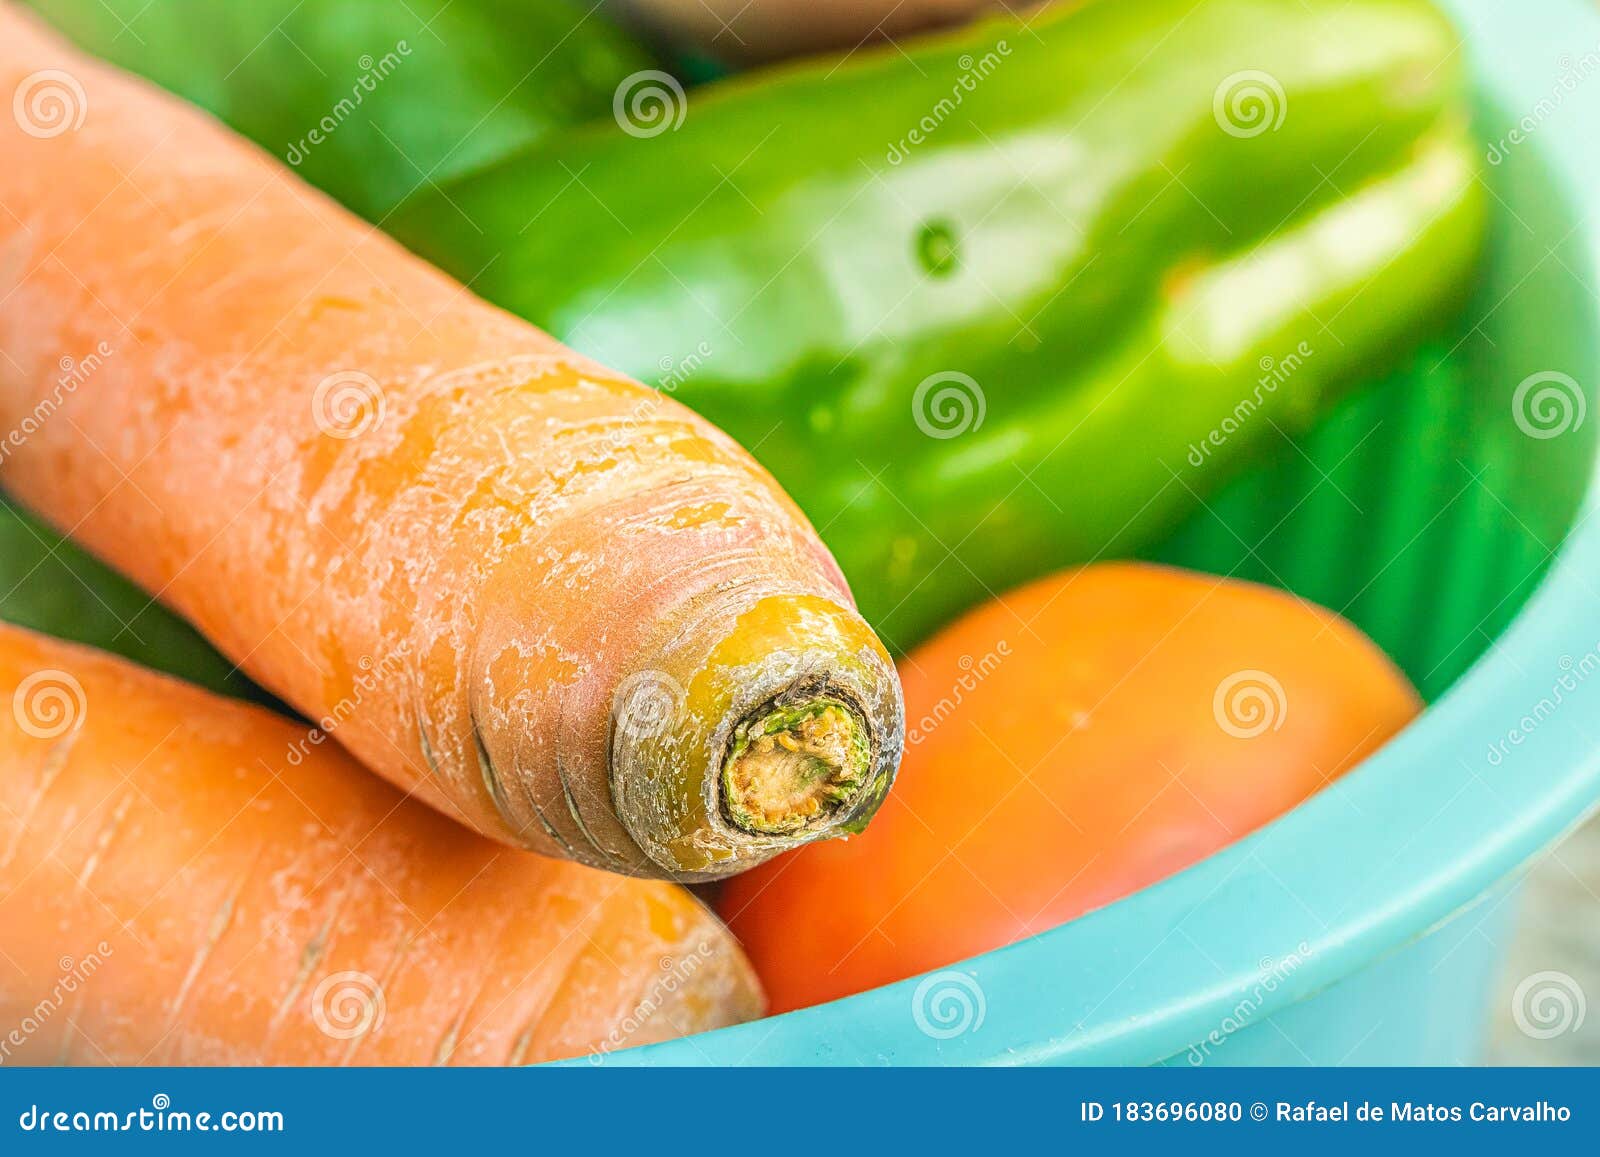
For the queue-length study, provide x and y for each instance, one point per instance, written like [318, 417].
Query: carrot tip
[786, 727]
[793, 768]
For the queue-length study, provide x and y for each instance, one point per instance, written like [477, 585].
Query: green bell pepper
[1014, 298]
[997, 301]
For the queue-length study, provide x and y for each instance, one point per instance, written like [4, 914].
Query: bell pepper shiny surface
[1015, 297]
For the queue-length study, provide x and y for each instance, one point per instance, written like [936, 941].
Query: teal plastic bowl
[1448, 513]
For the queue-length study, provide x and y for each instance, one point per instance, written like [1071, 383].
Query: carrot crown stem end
[786, 727]
[794, 767]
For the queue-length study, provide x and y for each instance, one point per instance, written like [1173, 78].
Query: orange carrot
[175, 890]
[546, 599]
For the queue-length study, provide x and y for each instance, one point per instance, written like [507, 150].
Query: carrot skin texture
[412, 516]
[244, 904]
[1080, 738]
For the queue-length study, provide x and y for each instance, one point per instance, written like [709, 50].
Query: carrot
[1070, 743]
[175, 889]
[545, 599]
